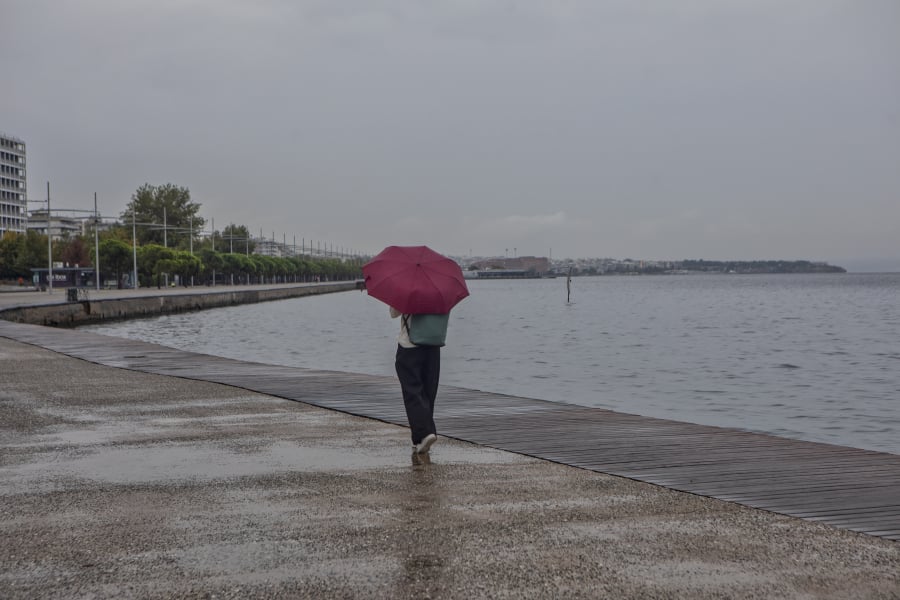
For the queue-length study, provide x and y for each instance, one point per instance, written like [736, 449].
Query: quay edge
[69, 314]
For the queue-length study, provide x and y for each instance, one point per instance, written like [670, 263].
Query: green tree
[314, 269]
[119, 231]
[212, 263]
[249, 268]
[20, 252]
[147, 258]
[182, 264]
[291, 269]
[116, 255]
[232, 266]
[32, 253]
[166, 215]
[187, 267]
[301, 268]
[74, 251]
[266, 267]
[10, 244]
[163, 268]
[234, 238]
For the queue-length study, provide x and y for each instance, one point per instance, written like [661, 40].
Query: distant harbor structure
[522, 267]
[505, 274]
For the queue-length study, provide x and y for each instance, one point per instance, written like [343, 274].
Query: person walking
[421, 287]
[419, 371]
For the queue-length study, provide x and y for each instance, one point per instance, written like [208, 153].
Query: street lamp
[49, 239]
[134, 282]
[191, 238]
[49, 246]
[96, 243]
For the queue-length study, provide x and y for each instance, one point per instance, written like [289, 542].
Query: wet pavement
[119, 484]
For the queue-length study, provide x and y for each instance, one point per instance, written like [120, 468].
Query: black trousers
[419, 370]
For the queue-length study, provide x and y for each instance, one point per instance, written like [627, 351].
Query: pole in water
[569, 286]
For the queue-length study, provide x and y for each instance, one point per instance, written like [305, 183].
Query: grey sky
[658, 129]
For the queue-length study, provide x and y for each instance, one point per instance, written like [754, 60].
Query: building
[268, 247]
[59, 226]
[532, 265]
[13, 195]
[64, 277]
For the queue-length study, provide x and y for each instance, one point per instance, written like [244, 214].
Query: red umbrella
[415, 280]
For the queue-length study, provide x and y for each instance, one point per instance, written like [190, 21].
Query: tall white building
[13, 197]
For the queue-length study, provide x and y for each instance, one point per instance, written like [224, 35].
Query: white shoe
[425, 445]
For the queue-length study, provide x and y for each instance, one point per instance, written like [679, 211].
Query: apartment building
[58, 226]
[13, 196]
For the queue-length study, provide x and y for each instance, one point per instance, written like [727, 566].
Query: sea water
[812, 357]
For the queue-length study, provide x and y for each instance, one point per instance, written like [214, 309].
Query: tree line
[632, 267]
[164, 252]
[758, 266]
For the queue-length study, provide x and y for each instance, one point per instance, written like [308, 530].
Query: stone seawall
[64, 314]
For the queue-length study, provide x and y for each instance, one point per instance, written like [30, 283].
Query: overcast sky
[659, 129]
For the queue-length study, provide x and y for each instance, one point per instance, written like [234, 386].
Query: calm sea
[813, 357]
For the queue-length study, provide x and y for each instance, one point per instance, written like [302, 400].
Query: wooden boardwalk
[844, 487]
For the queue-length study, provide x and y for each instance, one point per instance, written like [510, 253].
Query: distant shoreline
[685, 267]
[536, 267]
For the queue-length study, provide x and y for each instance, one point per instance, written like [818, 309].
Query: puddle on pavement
[101, 434]
[214, 403]
[204, 462]
[468, 454]
[229, 420]
[104, 431]
[131, 465]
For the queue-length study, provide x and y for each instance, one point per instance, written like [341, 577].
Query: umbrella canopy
[415, 280]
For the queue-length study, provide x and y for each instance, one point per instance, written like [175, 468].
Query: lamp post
[213, 248]
[96, 243]
[191, 242]
[49, 246]
[134, 281]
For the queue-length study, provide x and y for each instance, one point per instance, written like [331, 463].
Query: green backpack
[427, 330]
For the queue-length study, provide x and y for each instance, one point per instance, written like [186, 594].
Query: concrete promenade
[121, 484]
[53, 308]
[13, 296]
